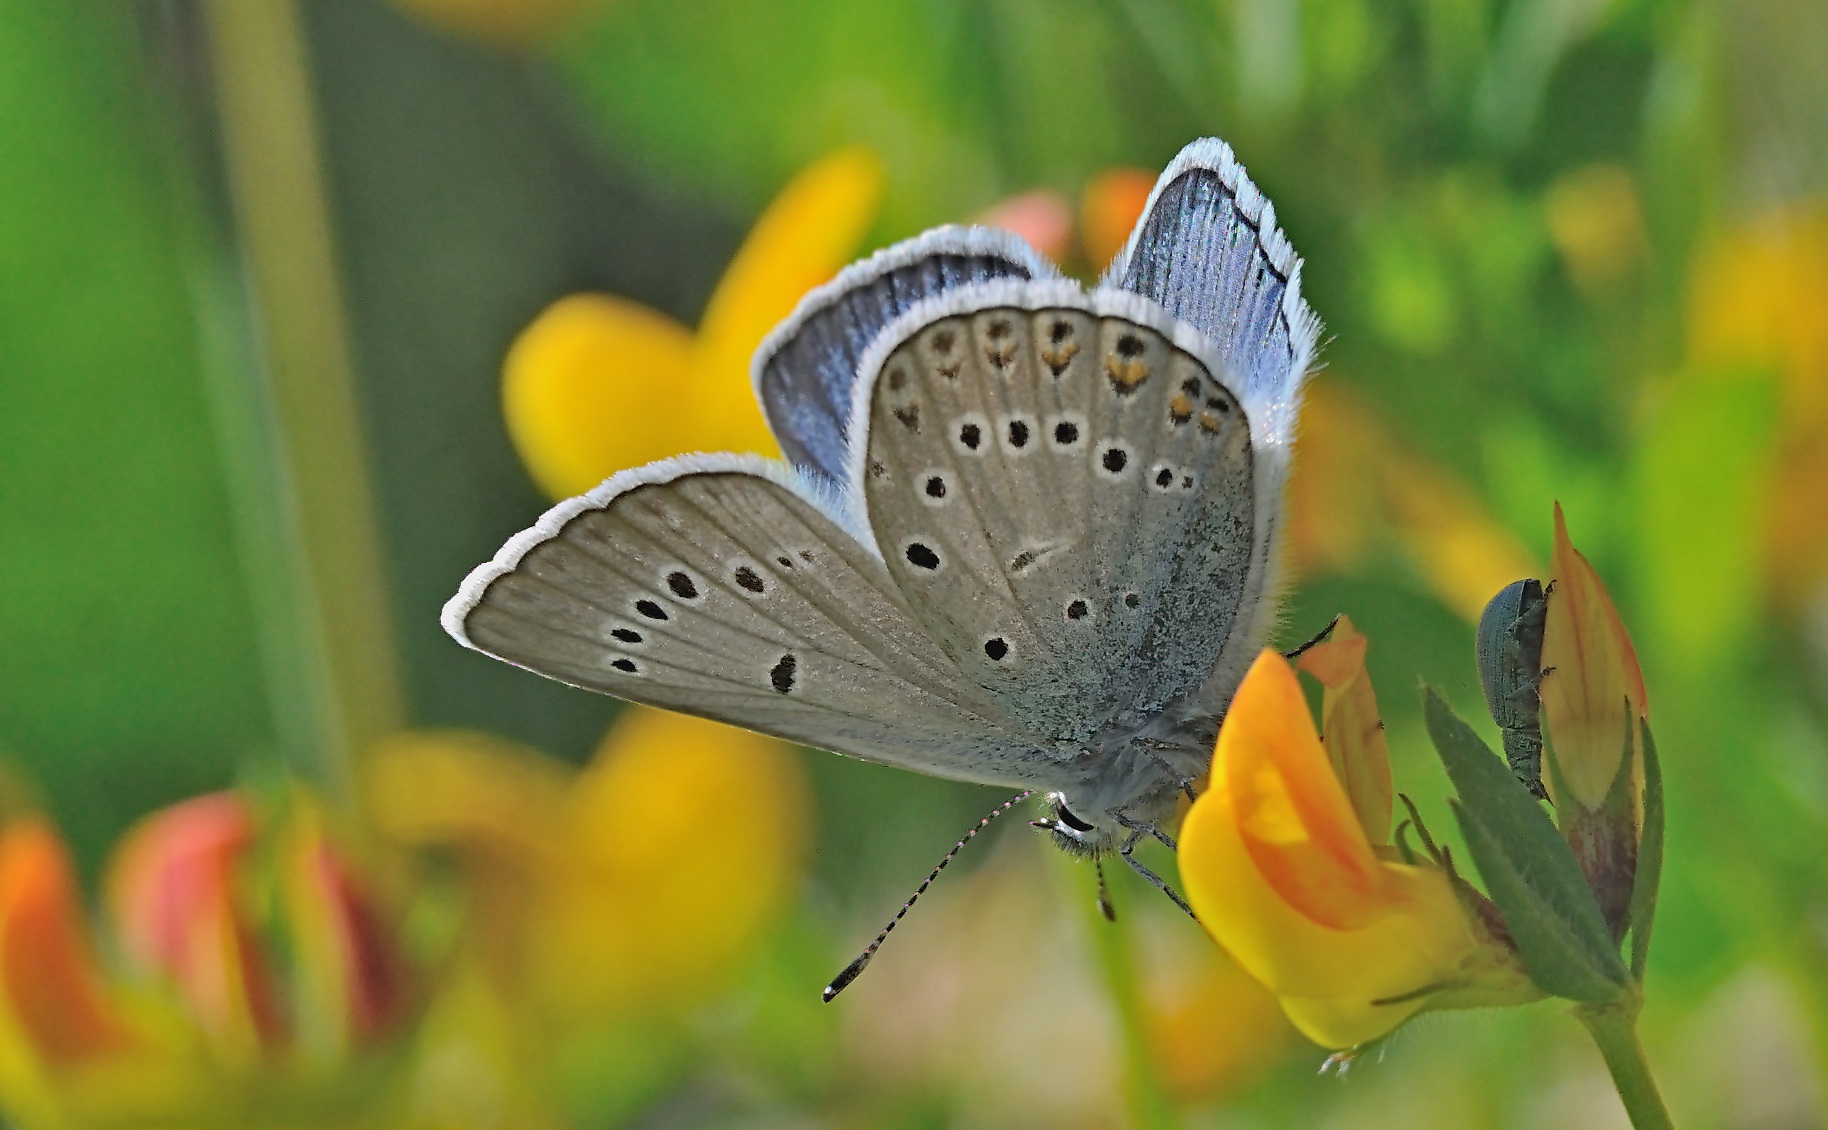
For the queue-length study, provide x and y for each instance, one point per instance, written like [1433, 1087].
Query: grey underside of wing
[805, 384]
[727, 596]
[1084, 561]
[1206, 261]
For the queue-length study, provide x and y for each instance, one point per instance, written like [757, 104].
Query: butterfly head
[1075, 834]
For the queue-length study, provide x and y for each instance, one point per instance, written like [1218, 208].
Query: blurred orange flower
[180, 904]
[221, 1001]
[598, 383]
[1108, 209]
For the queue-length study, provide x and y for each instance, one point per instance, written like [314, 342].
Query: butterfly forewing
[806, 370]
[1064, 495]
[724, 594]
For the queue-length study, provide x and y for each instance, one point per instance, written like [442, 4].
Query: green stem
[1615, 1029]
[338, 618]
[1150, 1106]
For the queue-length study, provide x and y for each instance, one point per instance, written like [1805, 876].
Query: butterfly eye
[996, 648]
[1065, 816]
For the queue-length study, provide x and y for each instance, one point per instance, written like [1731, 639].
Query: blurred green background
[260, 263]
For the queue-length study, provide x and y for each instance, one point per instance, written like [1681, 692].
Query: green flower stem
[1615, 1029]
[333, 614]
[1150, 1106]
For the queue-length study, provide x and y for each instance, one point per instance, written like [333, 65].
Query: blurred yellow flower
[1758, 300]
[598, 383]
[1597, 225]
[1337, 510]
[1286, 876]
[1213, 1030]
[638, 881]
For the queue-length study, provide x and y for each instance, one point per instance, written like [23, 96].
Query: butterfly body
[1026, 535]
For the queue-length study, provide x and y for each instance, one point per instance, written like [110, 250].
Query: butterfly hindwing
[703, 586]
[1063, 490]
[805, 371]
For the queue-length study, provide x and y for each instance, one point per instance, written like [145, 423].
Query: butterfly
[1025, 534]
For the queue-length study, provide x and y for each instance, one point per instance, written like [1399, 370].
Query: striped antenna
[855, 968]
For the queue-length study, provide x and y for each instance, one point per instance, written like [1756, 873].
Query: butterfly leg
[1186, 783]
[1318, 637]
[1136, 865]
[1142, 828]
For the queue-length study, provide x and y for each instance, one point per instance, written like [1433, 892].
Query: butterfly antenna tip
[852, 971]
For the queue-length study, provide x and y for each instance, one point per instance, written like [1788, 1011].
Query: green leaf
[1528, 870]
[1650, 859]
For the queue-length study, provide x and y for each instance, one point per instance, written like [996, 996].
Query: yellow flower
[1285, 875]
[1594, 685]
[633, 883]
[598, 383]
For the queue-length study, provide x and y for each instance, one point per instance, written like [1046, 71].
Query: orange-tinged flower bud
[1281, 873]
[1594, 684]
[174, 891]
[1351, 728]
[52, 990]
